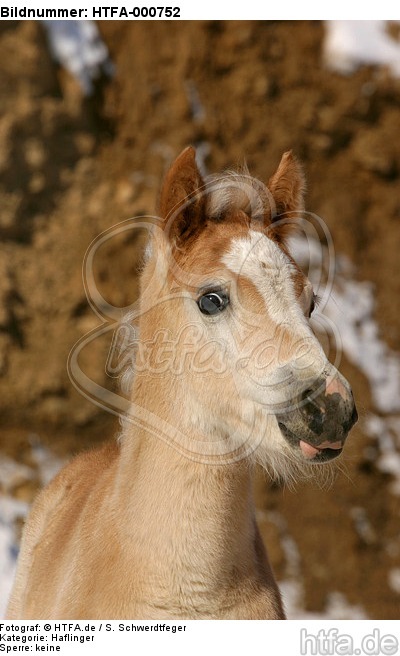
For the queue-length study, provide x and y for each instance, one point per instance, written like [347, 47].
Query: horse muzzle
[321, 418]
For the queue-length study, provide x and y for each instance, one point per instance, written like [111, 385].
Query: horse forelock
[236, 191]
[235, 204]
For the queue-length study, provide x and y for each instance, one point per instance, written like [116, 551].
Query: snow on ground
[350, 44]
[13, 511]
[292, 587]
[349, 305]
[78, 47]
[387, 431]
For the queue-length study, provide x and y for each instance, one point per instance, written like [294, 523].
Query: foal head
[222, 284]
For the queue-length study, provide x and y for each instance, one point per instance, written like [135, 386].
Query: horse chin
[312, 454]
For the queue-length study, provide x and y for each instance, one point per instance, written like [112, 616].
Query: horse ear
[182, 202]
[287, 187]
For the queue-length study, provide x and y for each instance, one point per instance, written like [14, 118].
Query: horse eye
[213, 302]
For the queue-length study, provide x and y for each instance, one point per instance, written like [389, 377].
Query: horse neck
[196, 514]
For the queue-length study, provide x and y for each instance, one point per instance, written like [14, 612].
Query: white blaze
[264, 264]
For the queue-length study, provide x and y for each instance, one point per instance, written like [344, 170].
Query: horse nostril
[312, 411]
[354, 415]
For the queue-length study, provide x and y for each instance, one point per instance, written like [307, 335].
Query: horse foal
[160, 524]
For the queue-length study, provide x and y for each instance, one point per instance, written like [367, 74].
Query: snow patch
[386, 430]
[11, 511]
[14, 512]
[78, 47]
[196, 107]
[292, 588]
[350, 306]
[13, 474]
[48, 465]
[350, 44]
